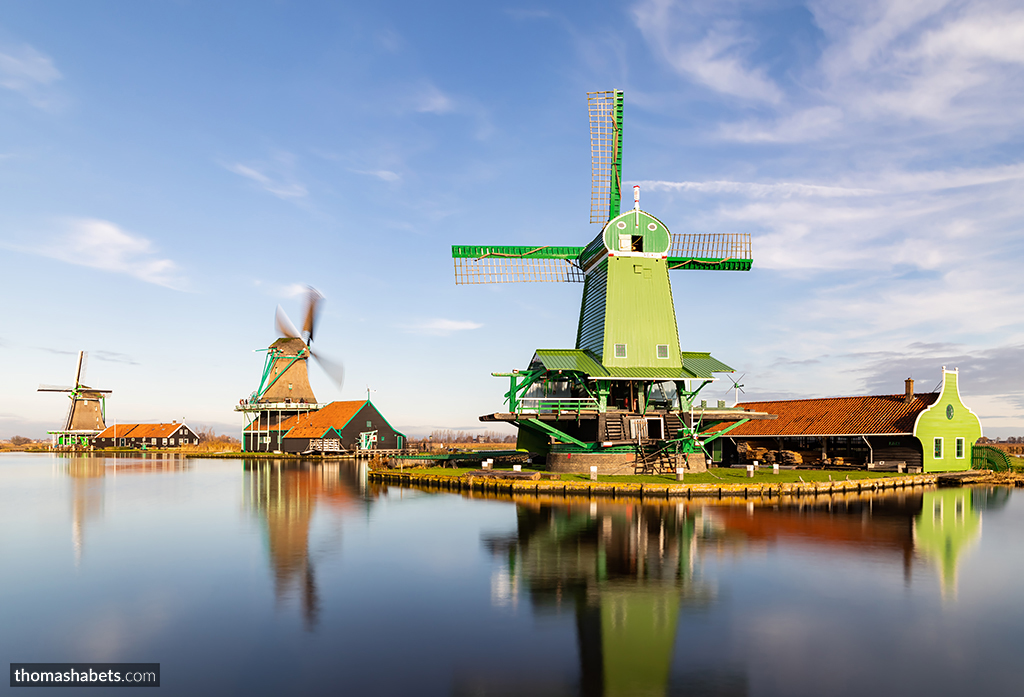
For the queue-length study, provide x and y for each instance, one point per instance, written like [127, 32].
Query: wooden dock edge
[433, 482]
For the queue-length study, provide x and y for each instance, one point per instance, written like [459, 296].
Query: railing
[985, 457]
[277, 406]
[550, 405]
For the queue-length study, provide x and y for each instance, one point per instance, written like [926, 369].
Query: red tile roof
[834, 416]
[140, 430]
[314, 424]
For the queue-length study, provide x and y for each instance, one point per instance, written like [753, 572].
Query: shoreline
[642, 491]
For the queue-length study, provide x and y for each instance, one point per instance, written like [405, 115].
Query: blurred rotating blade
[334, 369]
[284, 325]
[313, 298]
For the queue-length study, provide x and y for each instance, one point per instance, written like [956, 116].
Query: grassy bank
[717, 475]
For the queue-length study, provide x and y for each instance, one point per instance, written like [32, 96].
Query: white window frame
[939, 441]
[961, 448]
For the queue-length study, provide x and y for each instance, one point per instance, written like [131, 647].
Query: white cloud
[276, 178]
[26, 70]
[429, 99]
[441, 327]
[715, 56]
[382, 174]
[100, 244]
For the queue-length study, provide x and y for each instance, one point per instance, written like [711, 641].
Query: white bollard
[486, 464]
[679, 473]
[775, 468]
[593, 473]
[517, 468]
[750, 471]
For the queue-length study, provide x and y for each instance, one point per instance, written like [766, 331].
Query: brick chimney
[909, 396]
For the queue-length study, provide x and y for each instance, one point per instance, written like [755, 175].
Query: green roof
[695, 365]
[570, 359]
[702, 365]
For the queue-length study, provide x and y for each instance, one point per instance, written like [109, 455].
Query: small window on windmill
[289, 386]
[620, 350]
[624, 242]
[636, 243]
[662, 350]
[369, 424]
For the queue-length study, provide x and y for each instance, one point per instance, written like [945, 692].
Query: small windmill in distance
[737, 387]
[86, 413]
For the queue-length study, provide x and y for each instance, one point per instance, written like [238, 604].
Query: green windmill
[624, 398]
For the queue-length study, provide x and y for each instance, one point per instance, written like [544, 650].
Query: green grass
[718, 475]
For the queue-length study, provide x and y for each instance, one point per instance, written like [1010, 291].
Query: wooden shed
[355, 426]
[930, 432]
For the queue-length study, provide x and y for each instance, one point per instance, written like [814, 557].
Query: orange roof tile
[140, 430]
[834, 416]
[314, 424]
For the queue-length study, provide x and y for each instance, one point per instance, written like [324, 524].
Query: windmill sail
[605, 154]
[712, 251]
[489, 264]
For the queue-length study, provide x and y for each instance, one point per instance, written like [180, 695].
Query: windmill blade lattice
[479, 264]
[712, 251]
[605, 154]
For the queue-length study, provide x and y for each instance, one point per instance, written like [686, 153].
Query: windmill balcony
[279, 406]
[541, 405]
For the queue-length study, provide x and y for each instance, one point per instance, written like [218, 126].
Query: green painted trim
[615, 194]
[537, 424]
[709, 264]
[465, 251]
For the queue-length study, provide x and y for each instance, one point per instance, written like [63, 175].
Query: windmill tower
[624, 397]
[86, 413]
[284, 388]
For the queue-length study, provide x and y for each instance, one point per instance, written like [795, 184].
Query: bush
[20, 440]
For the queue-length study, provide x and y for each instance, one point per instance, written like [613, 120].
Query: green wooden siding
[590, 335]
[640, 313]
[947, 419]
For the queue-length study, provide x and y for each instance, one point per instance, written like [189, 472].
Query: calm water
[265, 580]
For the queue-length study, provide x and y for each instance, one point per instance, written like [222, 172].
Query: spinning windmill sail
[285, 378]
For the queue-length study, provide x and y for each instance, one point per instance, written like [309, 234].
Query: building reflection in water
[88, 473]
[626, 571]
[630, 572]
[285, 495]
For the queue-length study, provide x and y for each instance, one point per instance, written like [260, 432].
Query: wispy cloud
[382, 174]
[276, 177]
[440, 327]
[113, 357]
[28, 71]
[101, 244]
[429, 99]
[715, 54]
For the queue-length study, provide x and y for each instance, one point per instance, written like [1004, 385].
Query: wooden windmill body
[284, 389]
[86, 413]
[624, 398]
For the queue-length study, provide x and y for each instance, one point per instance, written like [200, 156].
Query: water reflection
[285, 495]
[630, 572]
[87, 473]
[626, 571]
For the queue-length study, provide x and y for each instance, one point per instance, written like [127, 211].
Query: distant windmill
[284, 388]
[737, 388]
[86, 413]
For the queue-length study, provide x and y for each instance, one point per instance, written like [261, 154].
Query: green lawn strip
[719, 475]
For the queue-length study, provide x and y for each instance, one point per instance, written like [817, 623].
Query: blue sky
[171, 171]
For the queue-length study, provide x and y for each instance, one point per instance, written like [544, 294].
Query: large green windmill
[624, 397]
